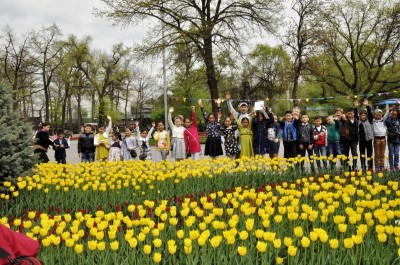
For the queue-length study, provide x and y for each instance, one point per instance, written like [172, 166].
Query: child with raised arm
[231, 143]
[114, 153]
[246, 135]
[213, 144]
[192, 140]
[380, 129]
[101, 141]
[143, 137]
[178, 136]
[163, 142]
[365, 133]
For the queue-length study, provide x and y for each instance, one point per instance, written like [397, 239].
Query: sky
[71, 16]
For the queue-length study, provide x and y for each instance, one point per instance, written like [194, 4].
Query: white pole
[164, 82]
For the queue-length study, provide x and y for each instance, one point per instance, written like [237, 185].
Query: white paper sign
[259, 105]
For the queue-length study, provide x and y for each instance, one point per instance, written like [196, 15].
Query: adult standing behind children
[101, 141]
[86, 146]
[42, 142]
[60, 144]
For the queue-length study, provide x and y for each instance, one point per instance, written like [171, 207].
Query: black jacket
[86, 143]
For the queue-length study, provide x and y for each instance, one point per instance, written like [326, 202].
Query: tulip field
[248, 211]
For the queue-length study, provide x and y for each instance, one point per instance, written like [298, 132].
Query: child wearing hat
[379, 128]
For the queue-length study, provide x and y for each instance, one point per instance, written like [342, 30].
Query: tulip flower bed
[205, 212]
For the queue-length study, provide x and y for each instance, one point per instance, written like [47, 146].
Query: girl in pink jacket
[192, 140]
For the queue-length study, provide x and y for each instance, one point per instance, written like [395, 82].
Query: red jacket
[17, 244]
[192, 140]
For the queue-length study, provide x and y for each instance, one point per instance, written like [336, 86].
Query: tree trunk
[210, 71]
[70, 114]
[79, 110]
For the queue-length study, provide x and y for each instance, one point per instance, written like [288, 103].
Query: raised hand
[219, 114]
[137, 123]
[365, 102]
[200, 103]
[109, 117]
[228, 95]
[171, 109]
[218, 101]
[153, 124]
[192, 108]
[356, 103]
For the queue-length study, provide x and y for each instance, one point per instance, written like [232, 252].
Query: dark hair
[349, 110]
[245, 119]
[60, 132]
[188, 118]
[288, 112]
[101, 125]
[212, 113]
[117, 134]
[162, 122]
[317, 118]
[144, 130]
[46, 123]
[88, 125]
[259, 113]
[127, 128]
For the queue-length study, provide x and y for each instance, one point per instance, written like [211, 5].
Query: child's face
[144, 134]
[288, 117]
[88, 129]
[128, 132]
[275, 118]
[114, 137]
[363, 117]
[329, 120]
[178, 122]
[46, 128]
[317, 122]
[60, 136]
[338, 114]
[394, 115]
[378, 116]
[245, 123]
[188, 123]
[211, 118]
[228, 122]
[244, 109]
[160, 126]
[260, 117]
[350, 114]
[304, 119]
[101, 129]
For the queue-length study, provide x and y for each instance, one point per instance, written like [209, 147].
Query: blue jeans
[394, 149]
[334, 148]
[320, 151]
[87, 157]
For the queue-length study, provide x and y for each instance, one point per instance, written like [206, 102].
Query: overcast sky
[71, 16]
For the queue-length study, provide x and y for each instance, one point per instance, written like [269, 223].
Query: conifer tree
[16, 143]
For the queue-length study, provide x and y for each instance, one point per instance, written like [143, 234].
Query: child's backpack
[5, 259]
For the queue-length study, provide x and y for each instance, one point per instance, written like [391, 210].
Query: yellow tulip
[147, 249]
[180, 234]
[342, 228]
[132, 242]
[249, 224]
[114, 245]
[157, 242]
[348, 242]
[101, 245]
[242, 250]
[243, 235]
[382, 237]
[292, 251]
[171, 249]
[157, 256]
[357, 239]
[69, 242]
[261, 246]
[277, 243]
[78, 248]
[92, 245]
[305, 242]
[215, 241]
[279, 260]
[334, 243]
[287, 241]
[298, 231]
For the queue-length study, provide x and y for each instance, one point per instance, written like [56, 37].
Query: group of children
[247, 134]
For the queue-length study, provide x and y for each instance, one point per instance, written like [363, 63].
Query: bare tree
[209, 25]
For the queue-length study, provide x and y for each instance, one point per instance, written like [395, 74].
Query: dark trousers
[365, 148]
[289, 149]
[43, 158]
[302, 152]
[350, 146]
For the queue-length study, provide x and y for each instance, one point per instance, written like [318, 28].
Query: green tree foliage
[210, 26]
[16, 150]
